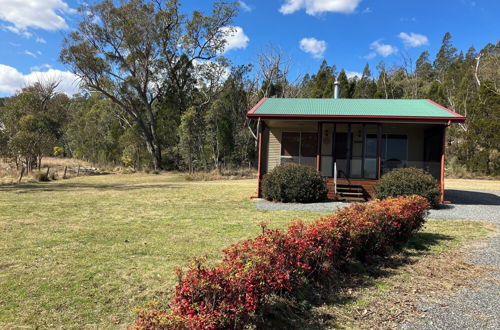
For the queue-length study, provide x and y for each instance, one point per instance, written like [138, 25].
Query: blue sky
[347, 33]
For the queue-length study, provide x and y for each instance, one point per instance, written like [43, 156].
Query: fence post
[65, 169]
[78, 171]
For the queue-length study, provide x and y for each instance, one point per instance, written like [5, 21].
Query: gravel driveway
[465, 204]
[475, 307]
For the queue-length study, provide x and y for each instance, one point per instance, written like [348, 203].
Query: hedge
[408, 181]
[294, 183]
[232, 294]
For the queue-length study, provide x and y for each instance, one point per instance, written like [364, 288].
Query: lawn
[86, 251]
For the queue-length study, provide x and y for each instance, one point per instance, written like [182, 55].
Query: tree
[33, 122]
[94, 131]
[446, 54]
[344, 85]
[483, 134]
[321, 84]
[135, 52]
[365, 87]
[189, 133]
[488, 66]
[273, 68]
[383, 82]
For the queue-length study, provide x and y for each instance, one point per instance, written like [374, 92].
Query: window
[394, 152]
[290, 144]
[370, 165]
[300, 148]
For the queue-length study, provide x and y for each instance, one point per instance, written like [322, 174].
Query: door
[352, 147]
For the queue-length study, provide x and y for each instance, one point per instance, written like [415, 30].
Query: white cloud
[235, 38]
[11, 80]
[352, 74]
[40, 40]
[41, 67]
[367, 10]
[315, 7]
[13, 29]
[27, 52]
[381, 49]
[313, 46]
[370, 55]
[39, 14]
[413, 39]
[245, 6]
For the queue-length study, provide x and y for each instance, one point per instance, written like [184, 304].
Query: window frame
[282, 156]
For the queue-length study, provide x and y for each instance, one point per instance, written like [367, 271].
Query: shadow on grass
[467, 197]
[300, 311]
[24, 188]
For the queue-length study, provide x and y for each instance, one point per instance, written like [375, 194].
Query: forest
[158, 93]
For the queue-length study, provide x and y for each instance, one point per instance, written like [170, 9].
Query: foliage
[42, 177]
[234, 293]
[93, 132]
[293, 183]
[408, 181]
[57, 151]
[32, 123]
[183, 107]
[138, 52]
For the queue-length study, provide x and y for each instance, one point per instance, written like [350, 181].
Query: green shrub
[293, 183]
[408, 181]
[42, 177]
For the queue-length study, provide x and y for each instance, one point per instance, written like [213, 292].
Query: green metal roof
[297, 107]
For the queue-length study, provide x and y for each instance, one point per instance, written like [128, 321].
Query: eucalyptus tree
[32, 123]
[136, 51]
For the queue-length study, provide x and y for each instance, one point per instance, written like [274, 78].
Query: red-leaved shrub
[231, 294]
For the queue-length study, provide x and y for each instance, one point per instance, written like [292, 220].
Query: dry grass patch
[225, 174]
[9, 174]
[472, 184]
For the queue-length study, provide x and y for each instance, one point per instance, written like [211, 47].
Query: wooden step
[352, 199]
[350, 190]
[350, 194]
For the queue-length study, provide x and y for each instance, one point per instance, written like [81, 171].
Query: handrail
[335, 177]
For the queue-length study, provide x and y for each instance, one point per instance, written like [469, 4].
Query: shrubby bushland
[293, 183]
[42, 176]
[234, 293]
[408, 181]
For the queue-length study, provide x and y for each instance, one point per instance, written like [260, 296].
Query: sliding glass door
[352, 147]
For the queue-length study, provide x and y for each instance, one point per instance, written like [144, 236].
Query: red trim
[442, 165]
[259, 165]
[359, 118]
[257, 106]
[446, 109]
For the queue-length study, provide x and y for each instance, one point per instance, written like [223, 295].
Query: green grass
[86, 251]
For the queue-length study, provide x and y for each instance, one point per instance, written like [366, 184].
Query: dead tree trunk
[21, 174]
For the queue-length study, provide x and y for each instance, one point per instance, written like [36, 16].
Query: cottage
[352, 142]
